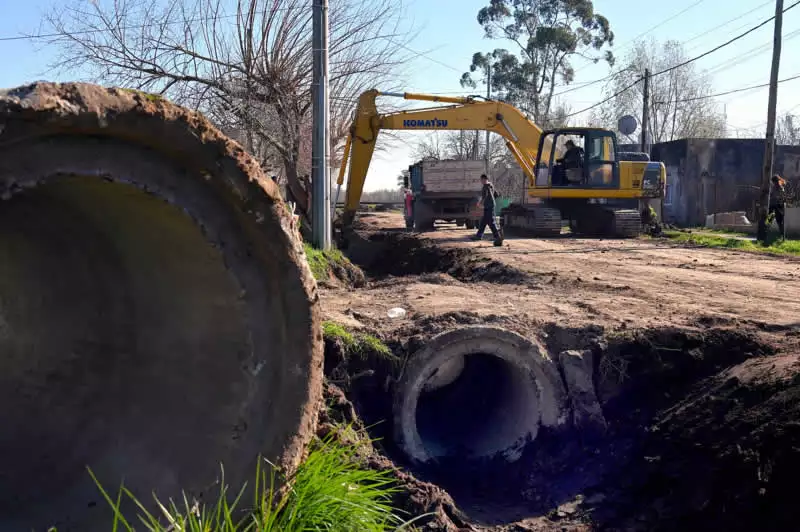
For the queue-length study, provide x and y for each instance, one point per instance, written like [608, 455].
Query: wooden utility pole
[320, 144]
[645, 109]
[769, 151]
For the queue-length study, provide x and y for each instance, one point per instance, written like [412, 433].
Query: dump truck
[443, 190]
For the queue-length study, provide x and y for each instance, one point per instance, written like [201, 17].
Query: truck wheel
[423, 217]
[460, 223]
[469, 224]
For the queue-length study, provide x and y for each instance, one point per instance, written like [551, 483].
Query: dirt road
[615, 283]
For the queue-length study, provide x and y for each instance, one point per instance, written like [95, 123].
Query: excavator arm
[521, 135]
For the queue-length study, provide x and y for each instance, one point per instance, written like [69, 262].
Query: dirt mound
[385, 253]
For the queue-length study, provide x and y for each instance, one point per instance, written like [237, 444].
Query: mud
[700, 411]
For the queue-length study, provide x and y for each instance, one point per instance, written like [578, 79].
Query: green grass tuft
[146, 95]
[329, 491]
[778, 247]
[333, 331]
[322, 261]
[359, 344]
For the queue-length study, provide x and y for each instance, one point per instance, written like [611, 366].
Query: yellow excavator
[573, 173]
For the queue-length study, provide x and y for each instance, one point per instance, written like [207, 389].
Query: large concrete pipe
[475, 393]
[157, 316]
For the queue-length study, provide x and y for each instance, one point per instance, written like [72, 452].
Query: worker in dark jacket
[488, 195]
[777, 201]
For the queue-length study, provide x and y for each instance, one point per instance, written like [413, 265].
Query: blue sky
[448, 35]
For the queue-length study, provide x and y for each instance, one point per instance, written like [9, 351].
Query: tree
[680, 102]
[545, 35]
[787, 130]
[248, 69]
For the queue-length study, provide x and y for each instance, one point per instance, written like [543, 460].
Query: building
[705, 176]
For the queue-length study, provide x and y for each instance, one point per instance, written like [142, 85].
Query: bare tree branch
[247, 64]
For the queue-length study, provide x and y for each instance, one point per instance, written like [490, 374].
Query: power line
[125, 28]
[732, 91]
[425, 55]
[645, 32]
[702, 34]
[723, 45]
[688, 61]
[627, 88]
[706, 32]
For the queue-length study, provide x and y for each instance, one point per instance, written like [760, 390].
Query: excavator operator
[572, 162]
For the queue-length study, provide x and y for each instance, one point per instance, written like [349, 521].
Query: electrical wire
[630, 42]
[705, 33]
[732, 91]
[133, 27]
[723, 45]
[684, 63]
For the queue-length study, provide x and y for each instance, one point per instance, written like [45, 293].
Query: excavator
[599, 194]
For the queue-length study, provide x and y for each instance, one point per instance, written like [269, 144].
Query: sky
[447, 34]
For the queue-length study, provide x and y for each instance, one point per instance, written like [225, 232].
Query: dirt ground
[697, 371]
[576, 282]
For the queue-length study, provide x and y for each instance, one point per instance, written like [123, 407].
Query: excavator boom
[597, 192]
[521, 135]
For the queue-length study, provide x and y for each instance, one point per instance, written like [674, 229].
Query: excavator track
[598, 221]
[626, 223]
[533, 220]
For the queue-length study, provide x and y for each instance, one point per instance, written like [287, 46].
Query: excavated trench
[157, 317]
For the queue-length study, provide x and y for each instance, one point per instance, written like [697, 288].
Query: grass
[778, 247]
[358, 344]
[146, 95]
[328, 492]
[321, 261]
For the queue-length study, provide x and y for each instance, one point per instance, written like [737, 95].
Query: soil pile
[386, 253]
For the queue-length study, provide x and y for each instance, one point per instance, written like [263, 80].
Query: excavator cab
[582, 158]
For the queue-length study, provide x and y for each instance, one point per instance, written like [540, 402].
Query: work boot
[498, 242]
[476, 237]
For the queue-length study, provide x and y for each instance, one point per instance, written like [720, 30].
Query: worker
[488, 195]
[573, 162]
[777, 201]
[409, 208]
[650, 219]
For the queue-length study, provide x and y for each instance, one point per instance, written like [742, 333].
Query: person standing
[488, 195]
[777, 201]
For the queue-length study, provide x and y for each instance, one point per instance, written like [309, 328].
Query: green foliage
[359, 344]
[329, 491]
[779, 247]
[545, 34]
[320, 261]
[146, 95]
[334, 331]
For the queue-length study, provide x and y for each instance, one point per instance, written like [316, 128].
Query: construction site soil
[696, 369]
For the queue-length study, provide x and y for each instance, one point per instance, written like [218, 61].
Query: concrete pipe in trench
[157, 316]
[477, 392]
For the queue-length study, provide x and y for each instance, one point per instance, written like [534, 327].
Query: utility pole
[488, 97]
[645, 109]
[769, 151]
[320, 144]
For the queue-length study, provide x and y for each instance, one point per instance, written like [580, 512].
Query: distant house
[705, 176]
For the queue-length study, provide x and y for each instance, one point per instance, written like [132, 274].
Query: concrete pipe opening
[477, 393]
[156, 315]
